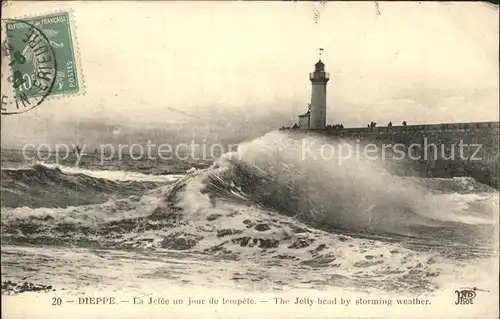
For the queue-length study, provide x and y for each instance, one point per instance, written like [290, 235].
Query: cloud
[233, 70]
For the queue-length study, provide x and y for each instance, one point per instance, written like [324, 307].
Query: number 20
[56, 301]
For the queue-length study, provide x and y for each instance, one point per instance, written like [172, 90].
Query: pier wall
[439, 161]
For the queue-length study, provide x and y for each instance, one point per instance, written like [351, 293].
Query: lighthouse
[319, 78]
[315, 117]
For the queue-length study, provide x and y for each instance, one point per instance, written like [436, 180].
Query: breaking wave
[266, 203]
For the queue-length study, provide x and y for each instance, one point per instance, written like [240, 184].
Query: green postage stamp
[43, 59]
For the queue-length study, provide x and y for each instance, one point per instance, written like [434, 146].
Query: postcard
[249, 159]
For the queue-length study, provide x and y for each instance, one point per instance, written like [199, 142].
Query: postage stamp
[42, 61]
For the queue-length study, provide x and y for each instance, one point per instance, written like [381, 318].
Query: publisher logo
[465, 296]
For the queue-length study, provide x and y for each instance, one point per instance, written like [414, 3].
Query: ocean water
[261, 219]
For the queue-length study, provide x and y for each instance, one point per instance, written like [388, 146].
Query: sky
[236, 70]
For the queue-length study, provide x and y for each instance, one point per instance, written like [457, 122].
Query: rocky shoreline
[13, 288]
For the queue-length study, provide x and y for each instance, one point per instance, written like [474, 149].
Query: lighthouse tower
[319, 78]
